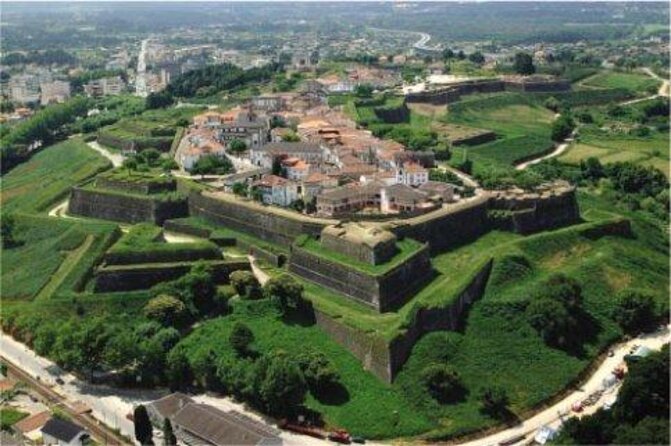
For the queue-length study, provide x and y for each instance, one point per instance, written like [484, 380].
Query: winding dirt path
[115, 158]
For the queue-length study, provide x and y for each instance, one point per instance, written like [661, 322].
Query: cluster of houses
[318, 157]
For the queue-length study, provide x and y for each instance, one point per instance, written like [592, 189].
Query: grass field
[636, 82]
[650, 151]
[48, 176]
[522, 128]
[59, 254]
[406, 248]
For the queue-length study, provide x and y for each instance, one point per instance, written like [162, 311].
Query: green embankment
[48, 176]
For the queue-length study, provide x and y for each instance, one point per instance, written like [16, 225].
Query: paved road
[115, 158]
[141, 75]
[561, 148]
[553, 415]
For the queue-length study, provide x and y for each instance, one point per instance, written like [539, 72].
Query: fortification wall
[384, 359]
[393, 115]
[480, 138]
[373, 352]
[427, 320]
[362, 252]
[442, 96]
[150, 187]
[447, 227]
[383, 292]
[108, 205]
[549, 86]
[533, 212]
[138, 277]
[262, 222]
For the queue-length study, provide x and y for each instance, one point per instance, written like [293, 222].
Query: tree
[149, 156]
[237, 146]
[552, 103]
[161, 99]
[169, 438]
[494, 401]
[197, 289]
[477, 58]
[241, 338]
[283, 387]
[244, 283]
[285, 291]
[319, 372]
[565, 290]
[290, 136]
[143, 429]
[524, 64]
[7, 224]
[634, 311]
[167, 310]
[178, 369]
[277, 166]
[448, 54]
[443, 383]
[169, 165]
[562, 128]
[551, 319]
[212, 164]
[364, 90]
[240, 189]
[592, 169]
[650, 430]
[130, 164]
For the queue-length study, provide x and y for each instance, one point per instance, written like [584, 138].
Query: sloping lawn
[48, 176]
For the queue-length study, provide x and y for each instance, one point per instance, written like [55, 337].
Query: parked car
[60, 381]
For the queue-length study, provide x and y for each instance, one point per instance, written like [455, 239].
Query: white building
[412, 174]
[107, 86]
[24, 89]
[56, 91]
[277, 190]
[263, 156]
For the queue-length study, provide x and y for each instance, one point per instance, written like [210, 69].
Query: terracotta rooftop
[33, 422]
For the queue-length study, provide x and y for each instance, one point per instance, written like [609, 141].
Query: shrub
[494, 401]
[284, 291]
[282, 387]
[167, 310]
[319, 372]
[443, 383]
[634, 311]
[551, 319]
[245, 284]
[241, 338]
[562, 128]
[565, 290]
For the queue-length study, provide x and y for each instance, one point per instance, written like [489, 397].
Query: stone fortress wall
[453, 92]
[385, 359]
[108, 205]
[382, 292]
[271, 224]
[365, 243]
